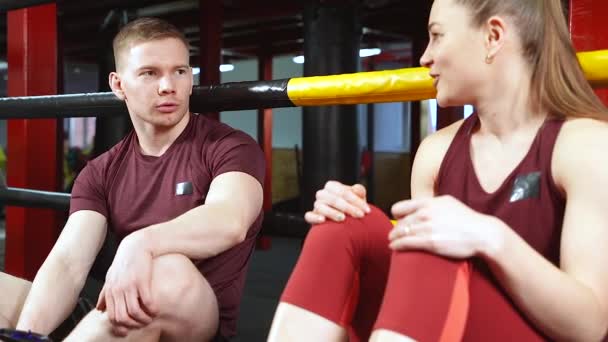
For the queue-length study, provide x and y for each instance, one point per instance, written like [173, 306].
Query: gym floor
[268, 273]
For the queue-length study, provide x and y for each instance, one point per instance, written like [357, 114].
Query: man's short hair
[143, 30]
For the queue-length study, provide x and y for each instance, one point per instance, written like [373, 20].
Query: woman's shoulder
[439, 142]
[585, 122]
[580, 147]
[579, 132]
[429, 157]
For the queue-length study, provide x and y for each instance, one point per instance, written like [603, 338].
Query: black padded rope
[241, 96]
[34, 198]
[61, 106]
[216, 98]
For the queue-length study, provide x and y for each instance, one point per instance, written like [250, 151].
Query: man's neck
[155, 141]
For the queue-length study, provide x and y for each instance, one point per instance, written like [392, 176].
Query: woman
[502, 238]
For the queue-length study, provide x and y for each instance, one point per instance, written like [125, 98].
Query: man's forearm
[200, 233]
[52, 297]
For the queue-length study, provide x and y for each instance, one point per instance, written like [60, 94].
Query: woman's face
[455, 55]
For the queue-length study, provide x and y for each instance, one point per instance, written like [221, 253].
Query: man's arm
[55, 289]
[233, 203]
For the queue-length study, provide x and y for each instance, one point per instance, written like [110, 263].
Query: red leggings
[347, 274]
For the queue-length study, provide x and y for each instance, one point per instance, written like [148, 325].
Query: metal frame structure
[33, 78]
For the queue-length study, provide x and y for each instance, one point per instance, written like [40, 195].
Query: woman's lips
[435, 81]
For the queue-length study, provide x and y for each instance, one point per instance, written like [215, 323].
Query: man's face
[155, 80]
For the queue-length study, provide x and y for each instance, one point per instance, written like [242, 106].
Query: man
[184, 196]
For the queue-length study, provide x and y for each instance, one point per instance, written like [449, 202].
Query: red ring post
[34, 153]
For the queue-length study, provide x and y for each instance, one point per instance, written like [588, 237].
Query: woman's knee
[373, 227]
[359, 236]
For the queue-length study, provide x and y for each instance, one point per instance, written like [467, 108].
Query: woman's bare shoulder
[428, 159]
[439, 142]
[581, 146]
[579, 132]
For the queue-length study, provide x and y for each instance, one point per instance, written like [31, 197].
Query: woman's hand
[444, 226]
[337, 200]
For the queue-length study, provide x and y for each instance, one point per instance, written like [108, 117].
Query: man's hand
[127, 296]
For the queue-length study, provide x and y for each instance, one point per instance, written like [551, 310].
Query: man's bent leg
[14, 292]
[96, 326]
[4, 322]
[187, 306]
[189, 309]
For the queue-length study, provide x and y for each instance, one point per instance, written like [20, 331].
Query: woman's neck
[507, 106]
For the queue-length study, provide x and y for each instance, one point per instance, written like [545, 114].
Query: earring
[489, 59]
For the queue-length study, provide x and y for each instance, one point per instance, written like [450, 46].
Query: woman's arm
[570, 302]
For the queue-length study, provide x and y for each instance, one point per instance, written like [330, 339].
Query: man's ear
[116, 85]
[191, 80]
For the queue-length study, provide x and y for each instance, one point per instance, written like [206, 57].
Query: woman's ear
[495, 35]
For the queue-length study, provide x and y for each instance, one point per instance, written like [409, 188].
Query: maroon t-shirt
[134, 191]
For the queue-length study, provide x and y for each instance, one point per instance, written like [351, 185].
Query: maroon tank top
[528, 200]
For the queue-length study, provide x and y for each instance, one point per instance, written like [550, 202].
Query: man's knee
[185, 299]
[174, 277]
[177, 283]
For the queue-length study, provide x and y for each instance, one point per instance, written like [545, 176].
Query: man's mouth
[167, 107]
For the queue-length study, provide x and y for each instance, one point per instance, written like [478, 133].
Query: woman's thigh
[492, 316]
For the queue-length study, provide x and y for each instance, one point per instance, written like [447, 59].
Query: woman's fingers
[313, 218]
[329, 212]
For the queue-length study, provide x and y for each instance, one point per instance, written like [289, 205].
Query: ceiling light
[362, 53]
[369, 52]
[226, 67]
[223, 68]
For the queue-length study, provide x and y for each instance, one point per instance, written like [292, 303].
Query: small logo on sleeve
[183, 188]
[526, 186]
